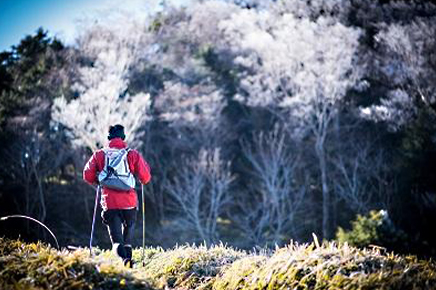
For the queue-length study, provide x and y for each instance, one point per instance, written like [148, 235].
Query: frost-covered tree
[359, 175]
[397, 109]
[186, 103]
[405, 61]
[183, 105]
[298, 68]
[199, 193]
[182, 36]
[268, 213]
[313, 9]
[194, 114]
[103, 89]
[195, 176]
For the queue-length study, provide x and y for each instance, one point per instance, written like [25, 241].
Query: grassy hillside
[37, 266]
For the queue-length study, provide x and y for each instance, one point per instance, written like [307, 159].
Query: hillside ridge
[307, 266]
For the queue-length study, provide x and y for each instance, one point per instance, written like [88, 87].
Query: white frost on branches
[197, 106]
[298, 66]
[302, 66]
[404, 61]
[182, 35]
[396, 110]
[103, 99]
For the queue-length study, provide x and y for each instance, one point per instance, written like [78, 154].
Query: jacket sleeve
[90, 170]
[142, 169]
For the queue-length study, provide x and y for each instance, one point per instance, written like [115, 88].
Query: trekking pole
[4, 218]
[143, 224]
[93, 219]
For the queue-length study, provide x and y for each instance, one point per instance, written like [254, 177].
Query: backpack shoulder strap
[106, 160]
[126, 161]
[106, 155]
[128, 150]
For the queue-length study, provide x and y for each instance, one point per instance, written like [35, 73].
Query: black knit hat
[116, 131]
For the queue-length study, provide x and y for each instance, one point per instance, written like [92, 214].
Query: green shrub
[374, 229]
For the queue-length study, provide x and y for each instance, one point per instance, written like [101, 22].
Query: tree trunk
[41, 193]
[325, 190]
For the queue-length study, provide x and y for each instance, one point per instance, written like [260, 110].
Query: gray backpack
[116, 172]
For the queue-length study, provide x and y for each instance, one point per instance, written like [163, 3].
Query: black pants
[120, 224]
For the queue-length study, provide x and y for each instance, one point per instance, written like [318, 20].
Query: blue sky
[22, 17]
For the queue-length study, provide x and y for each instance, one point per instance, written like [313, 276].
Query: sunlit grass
[308, 266]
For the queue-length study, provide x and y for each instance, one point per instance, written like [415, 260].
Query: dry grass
[36, 266]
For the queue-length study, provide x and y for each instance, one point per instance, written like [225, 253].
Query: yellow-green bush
[376, 228]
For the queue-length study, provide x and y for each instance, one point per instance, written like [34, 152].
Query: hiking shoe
[118, 250]
[128, 263]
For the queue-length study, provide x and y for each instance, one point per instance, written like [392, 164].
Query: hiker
[108, 168]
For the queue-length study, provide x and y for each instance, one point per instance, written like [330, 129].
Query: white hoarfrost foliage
[403, 64]
[298, 64]
[195, 106]
[182, 34]
[404, 61]
[314, 8]
[205, 17]
[104, 99]
[396, 110]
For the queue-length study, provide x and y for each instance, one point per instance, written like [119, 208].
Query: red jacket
[114, 199]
